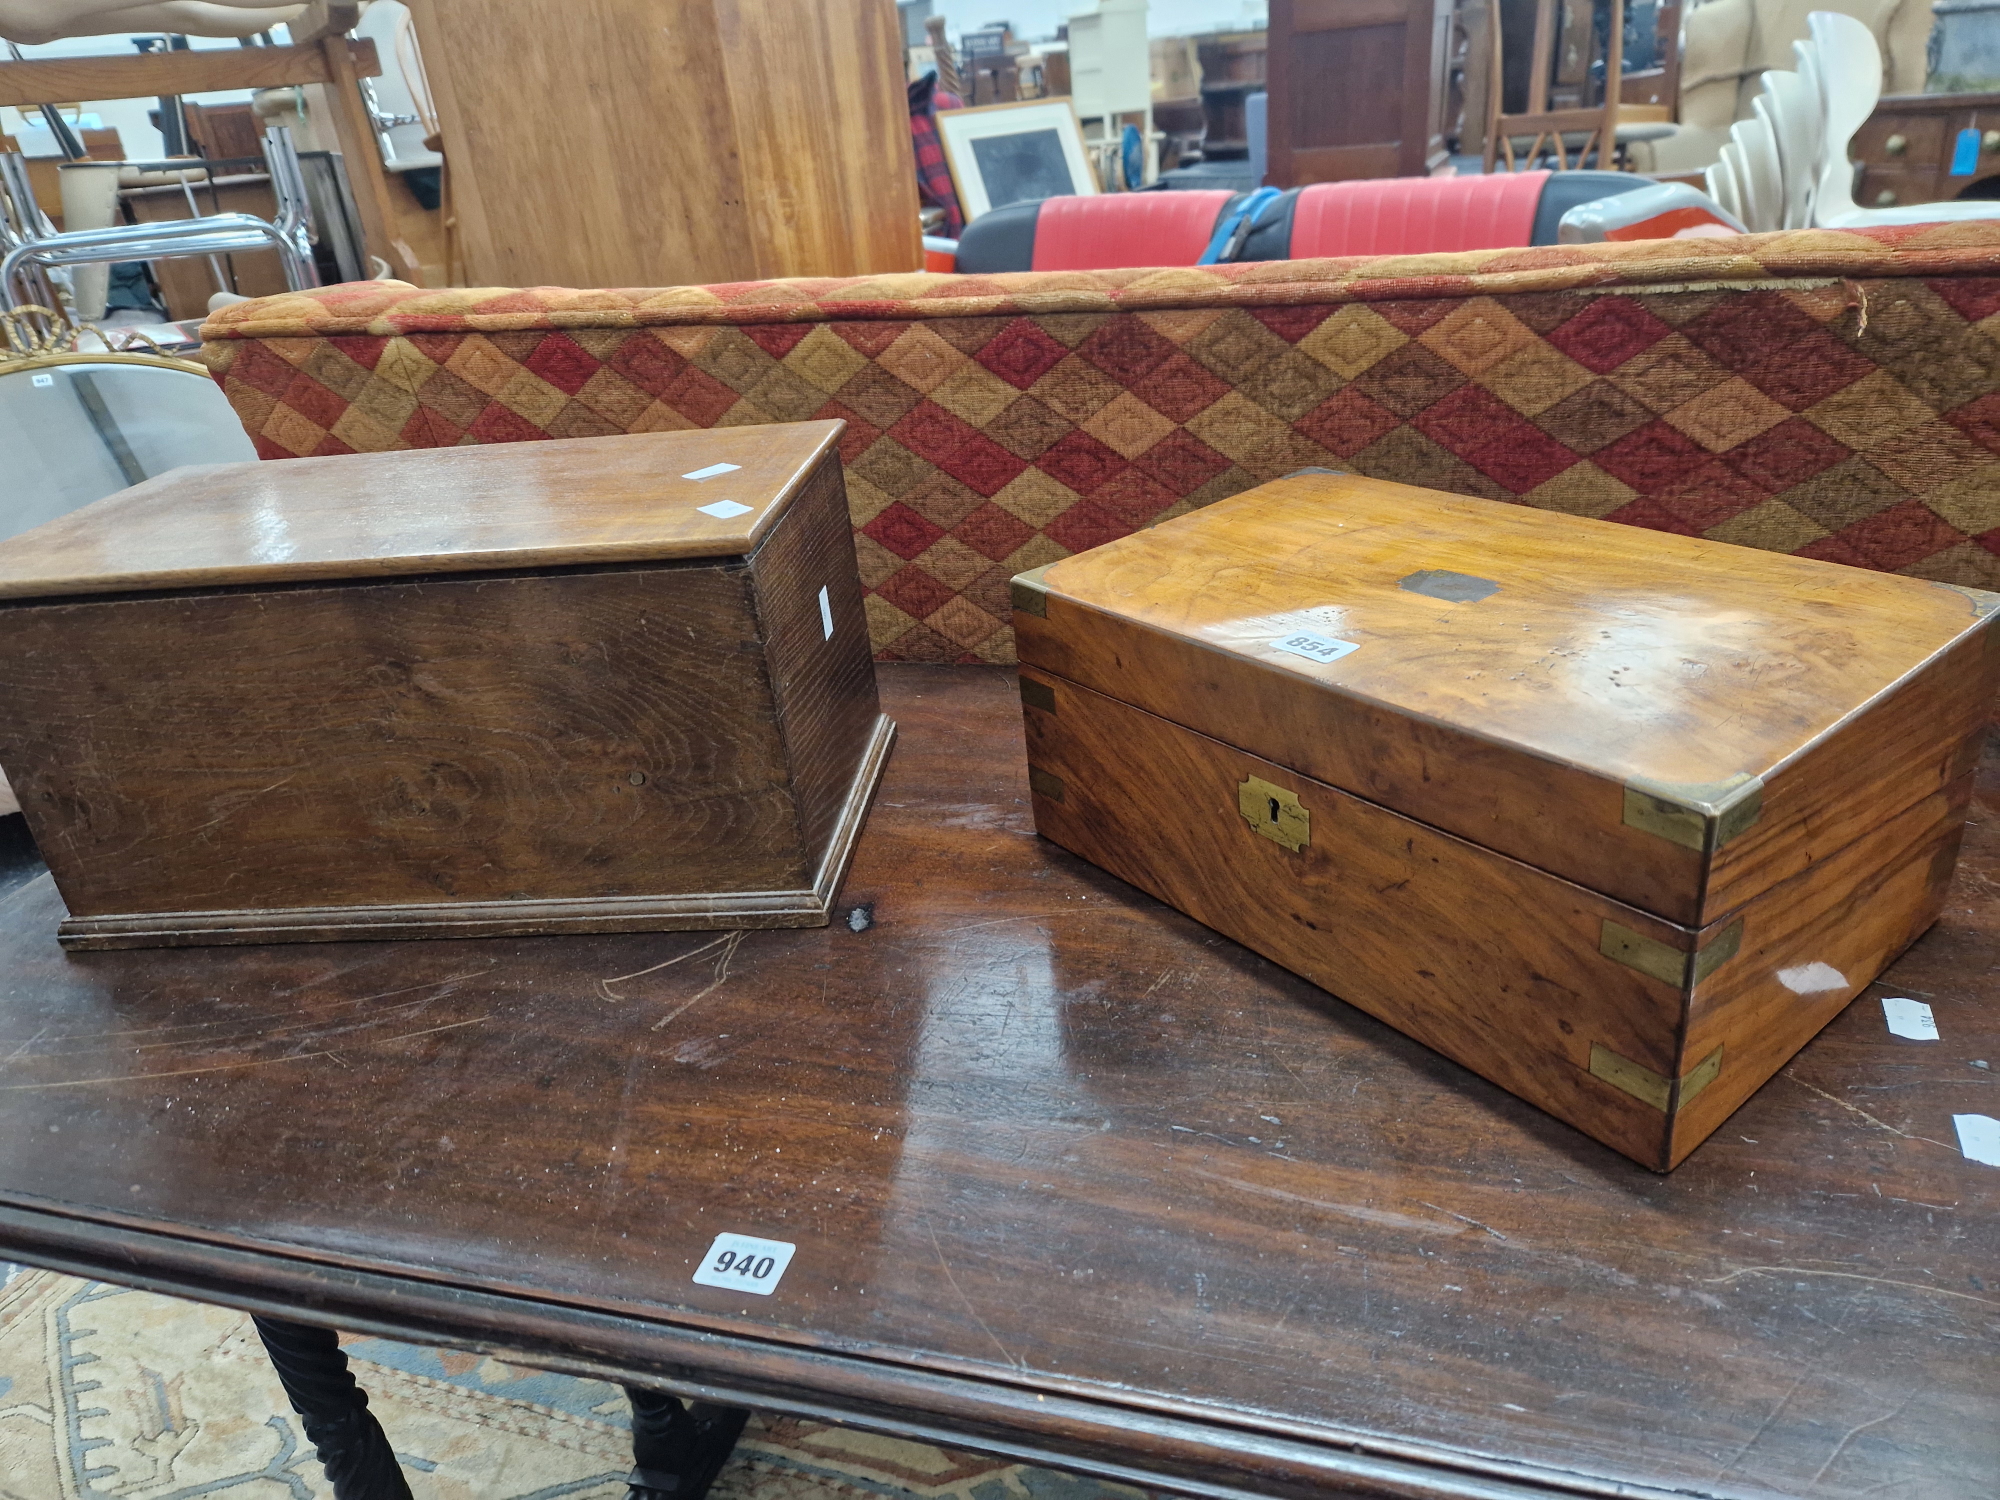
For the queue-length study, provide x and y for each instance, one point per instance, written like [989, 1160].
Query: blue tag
[1965, 153]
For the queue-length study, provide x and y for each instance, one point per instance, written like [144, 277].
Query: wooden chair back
[1549, 129]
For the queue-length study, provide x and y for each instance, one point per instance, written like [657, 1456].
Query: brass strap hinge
[1665, 1094]
[1661, 961]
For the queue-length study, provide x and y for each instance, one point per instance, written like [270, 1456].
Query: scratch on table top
[1915, 1286]
[1381, 1216]
[945, 1265]
[226, 1067]
[1851, 1109]
[1853, 1432]
[604, 985]
[1028, 916]
[1473, 1222]
[1765, 1425]
[729, 946]
[27, 1044]
[290, 1018]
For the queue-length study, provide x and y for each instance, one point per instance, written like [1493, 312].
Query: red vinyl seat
[1416, 215]
[1125, 229]
[1377, 216]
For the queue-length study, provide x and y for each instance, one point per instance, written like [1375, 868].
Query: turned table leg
[334, 1410]
[678, 1450]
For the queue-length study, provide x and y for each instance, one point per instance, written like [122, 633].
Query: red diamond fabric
[1829, 393]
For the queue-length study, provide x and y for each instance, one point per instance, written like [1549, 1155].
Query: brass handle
[1896, 145]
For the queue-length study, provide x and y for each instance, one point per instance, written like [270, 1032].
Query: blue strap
[1236, 218]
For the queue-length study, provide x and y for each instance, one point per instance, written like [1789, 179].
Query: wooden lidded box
[1615, 818]
[594, 685]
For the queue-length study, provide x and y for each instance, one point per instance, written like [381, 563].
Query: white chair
[1721, 182]
[1759, 182]
[1850, 78]
[1792, 105]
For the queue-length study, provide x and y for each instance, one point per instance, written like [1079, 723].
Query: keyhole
[1274, 808]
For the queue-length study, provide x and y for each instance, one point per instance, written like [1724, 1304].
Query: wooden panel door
[1357, 89]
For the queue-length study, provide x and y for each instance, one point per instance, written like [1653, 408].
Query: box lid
[1674, 722]
[636, 497]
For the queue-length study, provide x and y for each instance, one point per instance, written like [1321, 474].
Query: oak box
[602, 684]
[1618, 819]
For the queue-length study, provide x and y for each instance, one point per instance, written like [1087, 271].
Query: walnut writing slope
[604, 684]
[1617, 819]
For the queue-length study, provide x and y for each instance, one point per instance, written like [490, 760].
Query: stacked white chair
[1790, 101]
[1787, 166]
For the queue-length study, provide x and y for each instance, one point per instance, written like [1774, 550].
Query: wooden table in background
[1070, 1178]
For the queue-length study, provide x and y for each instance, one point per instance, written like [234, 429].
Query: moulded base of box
[811, 906]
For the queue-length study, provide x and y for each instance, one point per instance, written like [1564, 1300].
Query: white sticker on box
[1979, 1138]
[825, 613]
[711, 471]
[722, 510]
[1910, 1018]
[1315, 647]
[1814, 978]
[744, 1263]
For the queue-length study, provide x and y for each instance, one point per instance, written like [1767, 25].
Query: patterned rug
[110, 1393]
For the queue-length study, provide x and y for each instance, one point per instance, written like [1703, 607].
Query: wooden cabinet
[1905, 149]
[1357, 89]
[664, 142]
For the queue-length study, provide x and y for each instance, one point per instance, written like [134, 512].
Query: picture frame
[1004, 153]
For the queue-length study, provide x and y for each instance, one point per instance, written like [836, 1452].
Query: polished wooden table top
[1069, 1177]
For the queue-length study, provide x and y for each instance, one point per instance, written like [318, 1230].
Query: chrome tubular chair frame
[32, 250]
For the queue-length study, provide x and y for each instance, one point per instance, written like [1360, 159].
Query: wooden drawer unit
[604, 684]
[1616, 818]
[1905, 148]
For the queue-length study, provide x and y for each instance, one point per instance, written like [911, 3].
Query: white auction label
[723, 510]
[743, 1263]
[1910, 1018]
[41, 382]
[711, 471]
[1315, 647]
[1979, 1138]
[825, 613]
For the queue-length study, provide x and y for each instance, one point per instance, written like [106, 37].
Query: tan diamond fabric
[1831, 394]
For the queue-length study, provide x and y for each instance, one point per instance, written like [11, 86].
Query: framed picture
[1004, 153]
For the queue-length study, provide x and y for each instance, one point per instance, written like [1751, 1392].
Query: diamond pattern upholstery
[1831, 394]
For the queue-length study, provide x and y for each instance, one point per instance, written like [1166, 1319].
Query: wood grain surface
[820, 663]
[1602, 657]
[571, 501]
[674, 142]
[361, 163]
[1496, 964]
[689, 743]
[1069, 1175]
[64, 80]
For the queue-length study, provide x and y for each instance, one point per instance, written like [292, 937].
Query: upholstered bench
[1826, 393]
